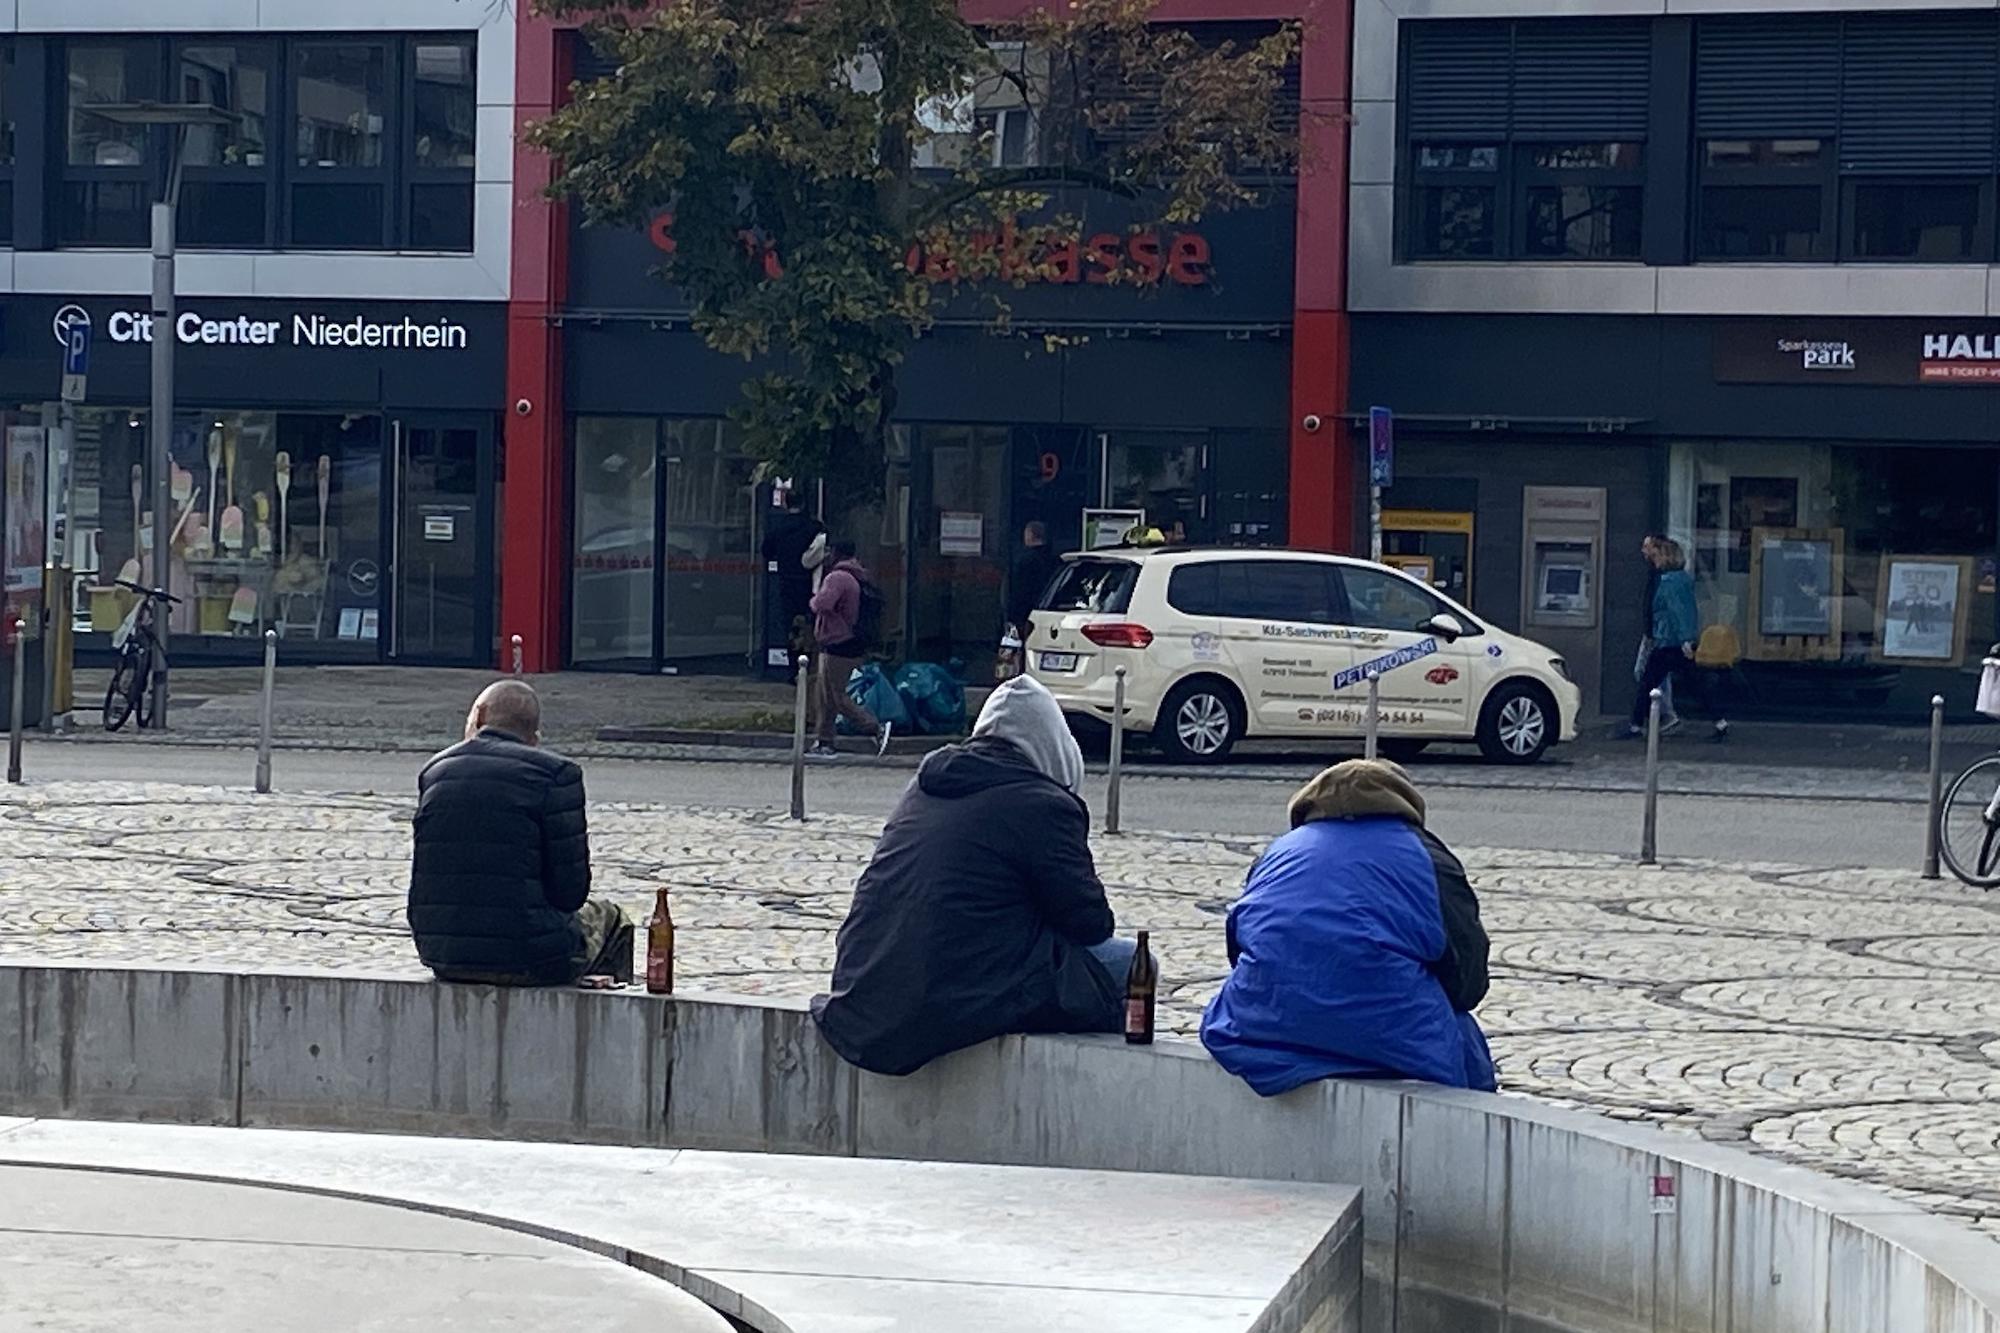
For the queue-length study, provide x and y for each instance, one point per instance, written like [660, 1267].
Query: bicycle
[1969, 818]
[139, 656]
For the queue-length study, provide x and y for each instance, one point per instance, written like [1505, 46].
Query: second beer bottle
[1142, 983]
[660, 947]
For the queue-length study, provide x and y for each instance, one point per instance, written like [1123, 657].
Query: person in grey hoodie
[981, 912]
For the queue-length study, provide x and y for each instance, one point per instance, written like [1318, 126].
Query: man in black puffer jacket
[981, 912]
[500, 884]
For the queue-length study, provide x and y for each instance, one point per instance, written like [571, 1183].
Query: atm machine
[1562, 577]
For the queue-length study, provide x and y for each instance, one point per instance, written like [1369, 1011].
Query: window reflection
[101, 74]
[339, 91]
[234, 80]
[445, 107]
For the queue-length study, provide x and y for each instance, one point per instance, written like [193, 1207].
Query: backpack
[868, 619]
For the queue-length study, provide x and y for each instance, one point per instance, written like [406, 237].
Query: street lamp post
[176, 117]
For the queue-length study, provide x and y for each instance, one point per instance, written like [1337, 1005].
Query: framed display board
[1795, 580]
[1920, 604]
[1104, 528]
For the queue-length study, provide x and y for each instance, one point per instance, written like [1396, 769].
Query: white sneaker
[822, 751]
[1670, 726]
[882, 739]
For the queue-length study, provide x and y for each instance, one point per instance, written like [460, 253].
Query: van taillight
[1118, 634]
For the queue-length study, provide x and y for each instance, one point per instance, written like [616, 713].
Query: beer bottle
[660, 947]
[1141, 984]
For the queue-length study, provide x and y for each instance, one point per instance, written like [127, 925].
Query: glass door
[441, 576]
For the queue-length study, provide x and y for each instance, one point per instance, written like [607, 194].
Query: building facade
[638, 545]
[344, 222]
[419, 412]
[1728, 273]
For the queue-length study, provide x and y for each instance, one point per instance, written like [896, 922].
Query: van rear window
[1095, 586]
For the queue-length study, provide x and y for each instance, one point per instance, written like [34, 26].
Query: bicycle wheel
[1968, 829]
[126, 692]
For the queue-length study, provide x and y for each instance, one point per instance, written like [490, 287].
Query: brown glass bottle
[1142, 983]
[660, 947]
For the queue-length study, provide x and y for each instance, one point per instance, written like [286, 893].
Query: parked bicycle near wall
[139, 656]
[1969, 817]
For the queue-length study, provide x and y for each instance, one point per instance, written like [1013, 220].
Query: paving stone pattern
[1848, 1020]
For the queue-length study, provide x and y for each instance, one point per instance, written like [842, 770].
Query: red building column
[534, 519]
[1322, 471]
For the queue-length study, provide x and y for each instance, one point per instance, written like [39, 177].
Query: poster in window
[1759, 502]
[26, 540]
[1922, 608]
[1795, 587]
[961, 532]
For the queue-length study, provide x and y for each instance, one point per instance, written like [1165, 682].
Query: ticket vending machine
[1562, 576]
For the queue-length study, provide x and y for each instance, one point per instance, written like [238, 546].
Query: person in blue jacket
[1676, 625]
[1356, 949]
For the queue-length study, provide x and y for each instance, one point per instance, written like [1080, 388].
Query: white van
[1220, 644]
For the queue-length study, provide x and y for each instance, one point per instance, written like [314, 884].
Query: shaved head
[511, 706]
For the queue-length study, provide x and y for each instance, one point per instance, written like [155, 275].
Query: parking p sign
[76, 360]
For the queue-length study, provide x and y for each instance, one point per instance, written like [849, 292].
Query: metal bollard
[1931, 830]
[20, 684]
[1649, 830]
[264, 711]
[1373, 726]
[799, 742]
[1117, 750]
[517, 655]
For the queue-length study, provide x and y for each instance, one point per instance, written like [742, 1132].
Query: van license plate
[1058, 661]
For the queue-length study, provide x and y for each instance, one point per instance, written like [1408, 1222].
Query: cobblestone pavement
[1848, 1020]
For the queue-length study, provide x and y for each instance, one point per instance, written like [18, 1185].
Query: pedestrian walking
[500, 878]
[847, 614]
[1649, 550]
[793, 533]
[1034, 566]
[1675, 630]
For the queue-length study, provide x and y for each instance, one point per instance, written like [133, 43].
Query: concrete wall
[1480, 1214]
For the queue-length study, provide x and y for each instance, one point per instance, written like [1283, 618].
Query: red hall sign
[1140, 258]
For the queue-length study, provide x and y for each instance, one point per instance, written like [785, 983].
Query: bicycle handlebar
[151, 594]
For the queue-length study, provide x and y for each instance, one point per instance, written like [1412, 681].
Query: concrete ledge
[1479, 1214]
[783, 1244]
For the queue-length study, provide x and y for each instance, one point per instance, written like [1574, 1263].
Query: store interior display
[263, 508]
[1851, 575]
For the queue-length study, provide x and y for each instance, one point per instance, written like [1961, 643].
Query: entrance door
[440, 564]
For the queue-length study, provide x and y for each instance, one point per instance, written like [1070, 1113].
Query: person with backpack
[847, 621]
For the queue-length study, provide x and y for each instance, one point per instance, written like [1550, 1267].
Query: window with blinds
[1867, 136]
[1525, 138]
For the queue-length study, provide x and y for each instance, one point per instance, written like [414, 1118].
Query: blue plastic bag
[934, 697]
[872, 690]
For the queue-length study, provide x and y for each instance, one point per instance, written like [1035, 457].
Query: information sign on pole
[76, 360]
[1381, 447]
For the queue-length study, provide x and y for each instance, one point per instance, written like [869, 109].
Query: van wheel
[1518, 724]
[1199, 723]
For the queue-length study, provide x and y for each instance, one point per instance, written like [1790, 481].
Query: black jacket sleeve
[565, 841]
[1066, 886]
[1462, 970]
